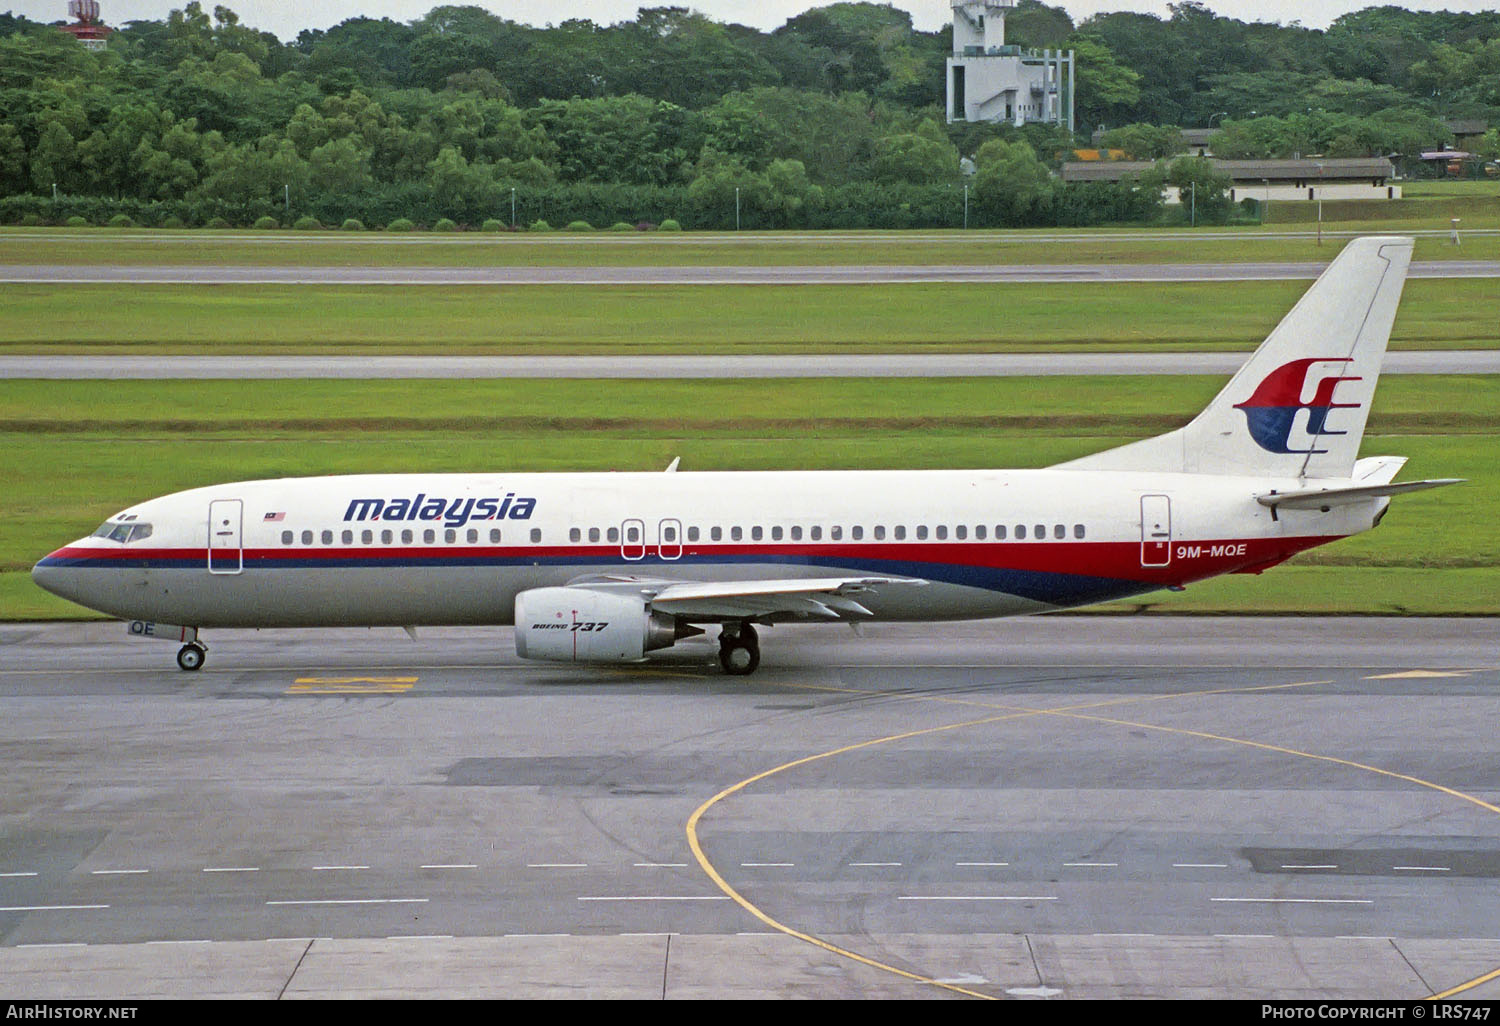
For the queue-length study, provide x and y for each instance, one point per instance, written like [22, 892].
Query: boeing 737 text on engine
[608, 567]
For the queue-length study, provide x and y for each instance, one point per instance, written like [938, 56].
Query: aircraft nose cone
[51, 575]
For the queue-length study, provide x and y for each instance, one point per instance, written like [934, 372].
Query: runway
[1069, 807]
[855, 274]
[935, 365]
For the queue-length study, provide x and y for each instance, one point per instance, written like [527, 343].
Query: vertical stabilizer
[1298, 406]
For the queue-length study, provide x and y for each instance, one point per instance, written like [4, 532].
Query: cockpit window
[123, 532]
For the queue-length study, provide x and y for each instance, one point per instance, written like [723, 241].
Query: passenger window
[429, 536]
[632, 535]
[796, 533]
[776, 533]
[669, 534]
[286, 537]
[1020, 532]
[406, 536]
[494, 536]
[1059, 531]
[979, 532]
[472, 536]
[999, 532]
[835, 533]
[735, 533]
[327, 537]
[880, 532]
[1077, 530]
[1041, 531]
[817, 534]
[755, 533]
[942, 532]
[960, 532]
[715, 534]
[575, 535]
[857, 533]
[307, 537]
[347, 537]
[536, 534]
[366, 537]
[449, 536]
[921, 532]
[386, 537]
[901, 532]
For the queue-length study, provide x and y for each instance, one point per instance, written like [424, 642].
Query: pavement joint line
[977, 897]
[350, 901]
[654, 897]
[1297, 901]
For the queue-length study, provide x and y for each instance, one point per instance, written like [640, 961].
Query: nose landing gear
[190, 657]
[739, 649]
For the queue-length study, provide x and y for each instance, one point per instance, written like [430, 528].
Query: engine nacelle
[579, 625]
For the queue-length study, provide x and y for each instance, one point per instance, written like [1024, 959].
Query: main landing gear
[190, 656]
[739, 649]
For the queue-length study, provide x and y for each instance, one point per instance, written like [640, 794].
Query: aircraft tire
[191, 657]
[738, 658]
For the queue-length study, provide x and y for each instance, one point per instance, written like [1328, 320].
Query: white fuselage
[457, 548]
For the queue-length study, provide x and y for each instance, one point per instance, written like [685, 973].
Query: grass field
[553, 320]
[1208, 244]
[71, 453]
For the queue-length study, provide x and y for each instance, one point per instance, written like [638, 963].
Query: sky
[286, 19]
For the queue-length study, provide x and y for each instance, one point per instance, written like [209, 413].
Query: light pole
[1320, 204]
[966, 204]
[736, 208]
[512, 206]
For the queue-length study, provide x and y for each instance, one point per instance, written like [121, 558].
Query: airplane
[608, 567]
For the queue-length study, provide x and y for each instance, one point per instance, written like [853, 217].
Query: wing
[818, 598]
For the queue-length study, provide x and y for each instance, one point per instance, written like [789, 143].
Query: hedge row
[858, 205]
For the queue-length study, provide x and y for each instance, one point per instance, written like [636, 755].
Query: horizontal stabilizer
[1324, 498]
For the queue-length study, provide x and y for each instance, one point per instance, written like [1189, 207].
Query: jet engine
[580, 625]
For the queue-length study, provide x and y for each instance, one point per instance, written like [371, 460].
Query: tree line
[833, 119]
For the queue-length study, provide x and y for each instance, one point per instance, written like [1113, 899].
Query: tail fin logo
[1271, 413]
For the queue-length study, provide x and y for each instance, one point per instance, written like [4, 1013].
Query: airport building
[989, 80]
[1306, 180]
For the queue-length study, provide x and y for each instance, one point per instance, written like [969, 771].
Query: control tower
[86, 27]
[991, 81]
